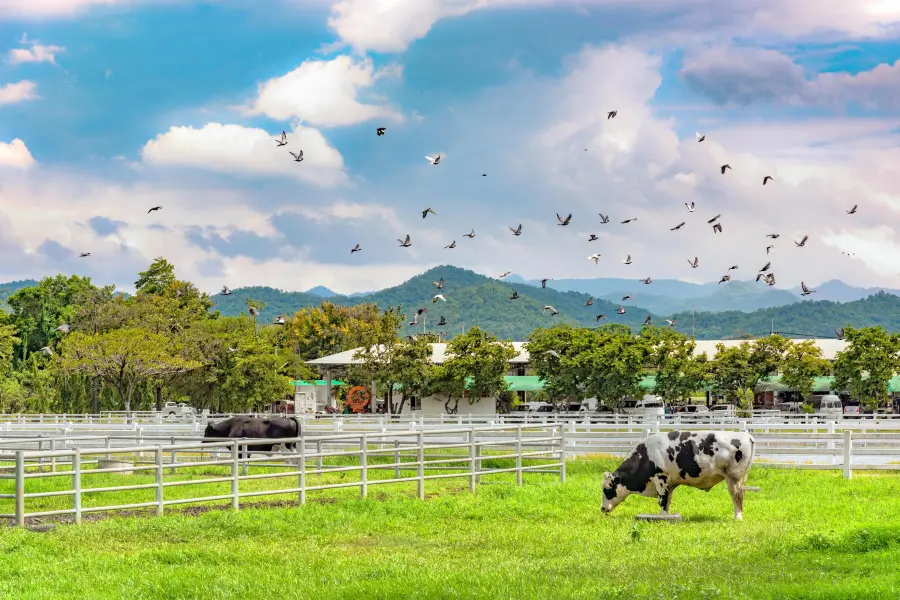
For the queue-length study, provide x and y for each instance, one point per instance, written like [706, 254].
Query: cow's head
[210, 431]
[613, 492]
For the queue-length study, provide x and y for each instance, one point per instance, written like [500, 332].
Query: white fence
[406, 456]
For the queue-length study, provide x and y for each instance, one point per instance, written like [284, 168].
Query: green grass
[806, 535]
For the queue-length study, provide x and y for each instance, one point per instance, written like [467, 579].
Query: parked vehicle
[648, 405]
[173, 410]
[723, 410]
[692, 409]
[827, 404]
[788, 407]
[532, 407]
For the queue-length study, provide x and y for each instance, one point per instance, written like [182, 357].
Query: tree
[158, 277]
[733, 374]
[412, 369]
[126, 359]
[475, 367]
[767, 356]
[867, 364]
[615, 365]
[556, 356]
[331, 328]
[679, 373]
[802, 363]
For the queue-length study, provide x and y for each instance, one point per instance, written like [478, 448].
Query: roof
[438, 352]
[829, 349]
[820, 384]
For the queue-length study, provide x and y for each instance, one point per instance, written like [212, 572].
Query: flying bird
[438, 297]
[620, 310]
[839, 333]
[439, 284]
[225, 291]
[589, 301]
[405, 243]
[355, 248]
[514, 295]
[717, 228]
[611, 114]
[552, 310]
[435, 160]
[380, 131]
[774, 236]
[297, 157]
[733, 268]
[415, 320]
[470, 235]
[601, 317]
[679, 226]
[690, 206]
[46, 350]
[593, 238]
[852, 211]
[806, 291]
[544, 283]
[627, 260]
[629, 220]
[765, 267]
[695, 263]
[563, 222]
[253, 311]
[725, 278]
[426, 211]
[442, 322]
[700, 137]
[647, 320]
[552, 353]
[283, 140]
[768, 248]
[723, 168]
[517, 230]
[505, 275]
[671, 322]
[84, 254]
[64, 328]
[647, 281]
[770, 280]
[715, 218]
[626, 297]
[768, 178]
[595, 257]
[604, 219]
[802, 242]
[451, 245]
[278, 320]
[154, 208]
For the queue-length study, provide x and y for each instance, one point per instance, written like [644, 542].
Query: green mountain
[8, 289]
[744, 296]
[473, 299]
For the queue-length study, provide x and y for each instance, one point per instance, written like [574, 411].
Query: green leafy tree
[767, 356]
[557, 357]
[412, 370]
[615, 365]
[126, 359]
[802, 363]
[732, 373]
[866, 366]
[475, 367]
[679, 373]
[158, 277]
[331, 328]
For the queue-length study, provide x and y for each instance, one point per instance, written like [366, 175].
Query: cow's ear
[607, 479]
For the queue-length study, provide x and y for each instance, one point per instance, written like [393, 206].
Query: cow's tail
[749, 459]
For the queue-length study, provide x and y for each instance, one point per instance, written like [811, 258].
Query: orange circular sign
[358, 398]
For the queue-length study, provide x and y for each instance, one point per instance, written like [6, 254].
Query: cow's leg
[666, 499]
[736, 489]
[663, 492]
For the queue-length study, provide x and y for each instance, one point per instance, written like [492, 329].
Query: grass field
[806, 535]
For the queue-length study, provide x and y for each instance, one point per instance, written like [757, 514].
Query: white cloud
[390, 26]
[37, 53]
[730, 75]
[15, 154]
[44, 9]
[22, 91]
[324, 93]
[244, 150]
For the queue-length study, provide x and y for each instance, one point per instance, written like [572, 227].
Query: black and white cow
[699, 459]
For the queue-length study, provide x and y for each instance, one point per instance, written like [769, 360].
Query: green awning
[648, 383]
[334, 382]
[524, 383]
[820, 384]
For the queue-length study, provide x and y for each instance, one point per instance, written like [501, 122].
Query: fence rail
[357, 459]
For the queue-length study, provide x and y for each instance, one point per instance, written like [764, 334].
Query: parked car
[788, 407]
[692, 409]
[723, 410]
[173, 410]
[531, 407]
[827, 404]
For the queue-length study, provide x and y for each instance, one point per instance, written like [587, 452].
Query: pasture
[808, 534]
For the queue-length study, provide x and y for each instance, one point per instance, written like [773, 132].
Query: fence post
[76, 484]
[848, 451]
[563, 454]
[420, 458]
[235, 475]
[472, 463]
[173, 456]
[319, 455]
[20, 488]
[159, 481]
[302, 476]
[53, 458]
[363, 464]
[108, 443]
[518, 455]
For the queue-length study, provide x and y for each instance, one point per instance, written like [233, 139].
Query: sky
[111, 107]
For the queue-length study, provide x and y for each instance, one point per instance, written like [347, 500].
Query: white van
[532, 407]
[648, 405]
[827, 404]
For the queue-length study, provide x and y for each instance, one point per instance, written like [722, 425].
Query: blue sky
[178, 103]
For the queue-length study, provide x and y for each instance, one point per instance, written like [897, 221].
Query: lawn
[806, 535]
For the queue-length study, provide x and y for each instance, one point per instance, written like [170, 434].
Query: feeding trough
[41, 527]
[112, 463]
[657, 517]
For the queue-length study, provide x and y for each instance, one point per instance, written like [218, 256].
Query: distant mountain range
[472, 299]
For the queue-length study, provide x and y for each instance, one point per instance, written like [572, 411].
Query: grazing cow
[699, 459]
[255, 427]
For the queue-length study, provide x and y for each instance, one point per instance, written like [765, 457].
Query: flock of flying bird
[764, 274]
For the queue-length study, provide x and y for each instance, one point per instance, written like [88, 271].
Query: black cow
[699, 459]
[255, 427]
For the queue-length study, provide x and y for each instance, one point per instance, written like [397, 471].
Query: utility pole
[692, 319]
